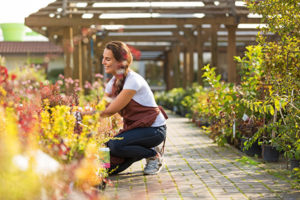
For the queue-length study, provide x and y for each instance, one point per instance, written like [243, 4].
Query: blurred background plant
[48, 149]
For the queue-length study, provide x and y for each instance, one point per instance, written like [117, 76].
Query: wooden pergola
[162, 30]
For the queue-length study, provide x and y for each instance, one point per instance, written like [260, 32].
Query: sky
[15, 11]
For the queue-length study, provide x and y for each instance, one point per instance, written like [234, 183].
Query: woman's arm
[119, 103]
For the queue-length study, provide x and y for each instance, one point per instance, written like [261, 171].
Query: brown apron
[136, 116]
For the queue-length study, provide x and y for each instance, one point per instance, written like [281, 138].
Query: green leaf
[271, 109]
[265, 108]
[277, 104]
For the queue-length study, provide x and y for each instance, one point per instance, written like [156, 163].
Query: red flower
[13, 76]
[3, 74]
[136, 53]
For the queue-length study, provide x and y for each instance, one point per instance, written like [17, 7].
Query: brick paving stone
[196, 168]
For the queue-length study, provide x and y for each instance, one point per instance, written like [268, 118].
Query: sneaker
[153, 165]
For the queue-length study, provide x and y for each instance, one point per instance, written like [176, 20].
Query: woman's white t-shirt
[143, 95]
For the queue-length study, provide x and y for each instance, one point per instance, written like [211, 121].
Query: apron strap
[163, 112]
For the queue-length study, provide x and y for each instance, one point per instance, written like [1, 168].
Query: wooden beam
[145, 38]
[33, 21]
[164, 48]
[159, 29]
[150, 48]
[162, 10]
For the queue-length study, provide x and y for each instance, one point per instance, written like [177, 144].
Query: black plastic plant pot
[270, 154]
[294, 163]
[255, 149]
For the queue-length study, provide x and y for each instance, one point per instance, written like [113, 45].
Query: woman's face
[109, 62]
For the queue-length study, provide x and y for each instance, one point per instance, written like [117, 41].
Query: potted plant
[248, 126]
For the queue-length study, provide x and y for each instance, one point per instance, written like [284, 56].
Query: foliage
[222, 100]
[281, 16]
[41, 127]
[247, 161]
[15, 183]
[281, 72]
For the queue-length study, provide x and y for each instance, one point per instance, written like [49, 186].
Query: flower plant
[42, 120]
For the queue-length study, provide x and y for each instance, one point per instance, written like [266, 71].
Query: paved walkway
[195, 168]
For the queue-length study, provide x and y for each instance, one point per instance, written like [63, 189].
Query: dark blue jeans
[135, 145]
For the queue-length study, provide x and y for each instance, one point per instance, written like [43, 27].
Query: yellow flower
[87, 174]
[2, 92]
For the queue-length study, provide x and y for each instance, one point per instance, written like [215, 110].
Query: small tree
[281, 63]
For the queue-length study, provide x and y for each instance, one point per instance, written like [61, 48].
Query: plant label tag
[104, 157]
[245, 117]
[233, 129]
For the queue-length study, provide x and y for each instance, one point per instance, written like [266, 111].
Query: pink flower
[60, 82]
[87, 85]
[77, 89]
[61, 76]
[98, 75]
[96, 84]
[69, 80]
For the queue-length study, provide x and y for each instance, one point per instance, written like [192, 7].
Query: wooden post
[185, 68]
[166, 72]
[191, 64]
[190, 45]
[200, 55]
[176, 64]
[214, 47]
[90, 72]
[76, 32]
[98, 58]
[231, 52]
[85, 72]
[170, 70]
[80, 63]
[68, 51]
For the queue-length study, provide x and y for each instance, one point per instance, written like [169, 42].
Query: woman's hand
[118, 103]
[88, 112]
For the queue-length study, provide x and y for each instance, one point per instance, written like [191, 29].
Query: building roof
[29, 47]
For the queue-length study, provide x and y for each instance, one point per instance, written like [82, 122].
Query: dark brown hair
[122, 54]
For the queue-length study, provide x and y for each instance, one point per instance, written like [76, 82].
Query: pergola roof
[161, 29]
[147, 21]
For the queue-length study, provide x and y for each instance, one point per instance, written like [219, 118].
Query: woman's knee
[114, 146]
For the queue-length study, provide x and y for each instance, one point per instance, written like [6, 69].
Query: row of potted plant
[244, 115]
[264, 107]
